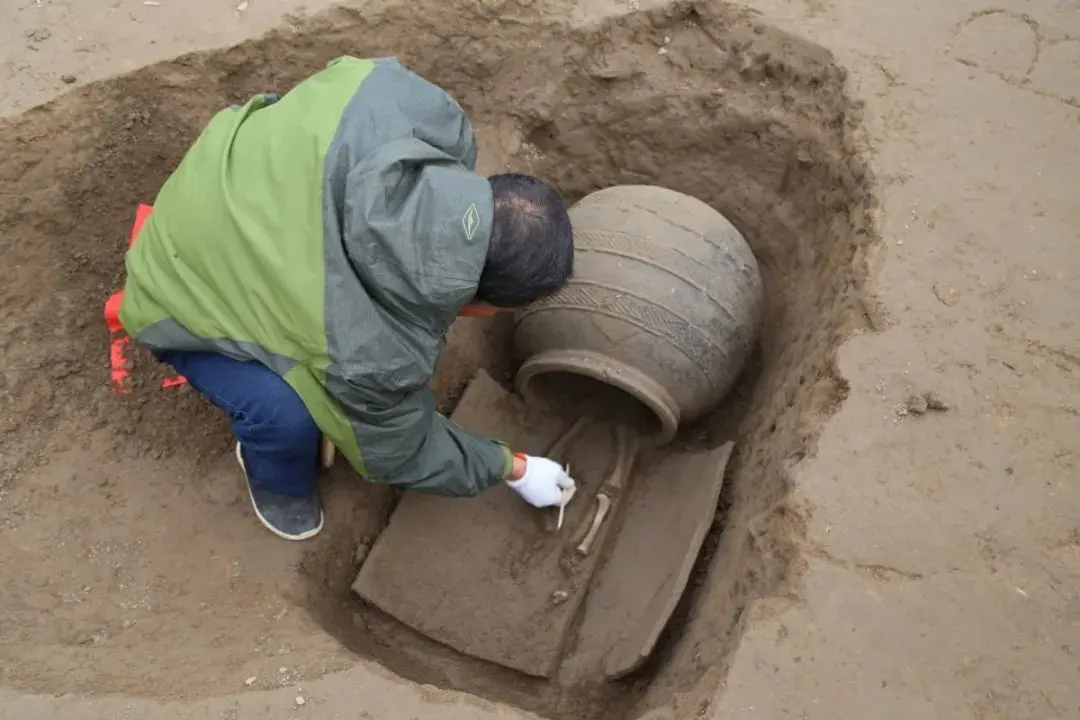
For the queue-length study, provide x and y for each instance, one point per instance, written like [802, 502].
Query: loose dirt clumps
[132, 562]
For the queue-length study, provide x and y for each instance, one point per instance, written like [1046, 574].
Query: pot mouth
[550, 377]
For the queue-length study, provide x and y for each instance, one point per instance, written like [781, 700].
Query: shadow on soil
[700, 98]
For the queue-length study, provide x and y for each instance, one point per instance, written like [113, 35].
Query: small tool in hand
[567, 496]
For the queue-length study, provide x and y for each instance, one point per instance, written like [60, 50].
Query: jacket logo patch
[470, 221]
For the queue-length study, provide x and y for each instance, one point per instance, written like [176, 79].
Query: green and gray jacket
[332, 235]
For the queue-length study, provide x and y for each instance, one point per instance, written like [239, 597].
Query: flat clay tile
[479, 574]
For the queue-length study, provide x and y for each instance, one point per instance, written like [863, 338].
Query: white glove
[544, 484]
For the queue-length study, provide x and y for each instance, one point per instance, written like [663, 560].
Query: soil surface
[903, 174]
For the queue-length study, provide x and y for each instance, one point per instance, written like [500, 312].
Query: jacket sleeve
[406, 442]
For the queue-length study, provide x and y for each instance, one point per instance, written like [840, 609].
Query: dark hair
[531, 255]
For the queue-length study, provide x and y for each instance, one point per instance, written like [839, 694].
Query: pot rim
[609, 371]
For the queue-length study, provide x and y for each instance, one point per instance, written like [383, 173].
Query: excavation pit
[134, 564]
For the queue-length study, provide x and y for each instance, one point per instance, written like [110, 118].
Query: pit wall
[699, 97]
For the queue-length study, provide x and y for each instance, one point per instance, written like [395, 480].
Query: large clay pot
[664, 305]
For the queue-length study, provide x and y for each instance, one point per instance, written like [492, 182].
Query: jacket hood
[416, 231]
[415, 219]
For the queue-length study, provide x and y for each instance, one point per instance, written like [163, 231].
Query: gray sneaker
[292, 518]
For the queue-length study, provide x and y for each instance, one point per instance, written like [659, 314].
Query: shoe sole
[284, 536]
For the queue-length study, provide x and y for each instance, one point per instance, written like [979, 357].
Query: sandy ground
[939, 572]
[49, 44]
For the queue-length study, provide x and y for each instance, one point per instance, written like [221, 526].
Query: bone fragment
[626, 447]
[603, 504]
[572, 432]
[556, 449]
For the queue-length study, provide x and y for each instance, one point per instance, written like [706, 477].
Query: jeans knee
[285, 418]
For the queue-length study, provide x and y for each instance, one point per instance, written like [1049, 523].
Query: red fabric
[478, 311]
[120, 360]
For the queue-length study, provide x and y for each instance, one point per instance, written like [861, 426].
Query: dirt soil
[902, 173]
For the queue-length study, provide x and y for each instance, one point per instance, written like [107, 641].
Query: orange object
[120, 356]
[478, 310]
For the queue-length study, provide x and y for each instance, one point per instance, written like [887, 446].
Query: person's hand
[542, 483]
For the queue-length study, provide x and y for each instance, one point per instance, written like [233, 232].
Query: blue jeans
[278, 437]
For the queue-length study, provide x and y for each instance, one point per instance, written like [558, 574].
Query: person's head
[531, 255]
